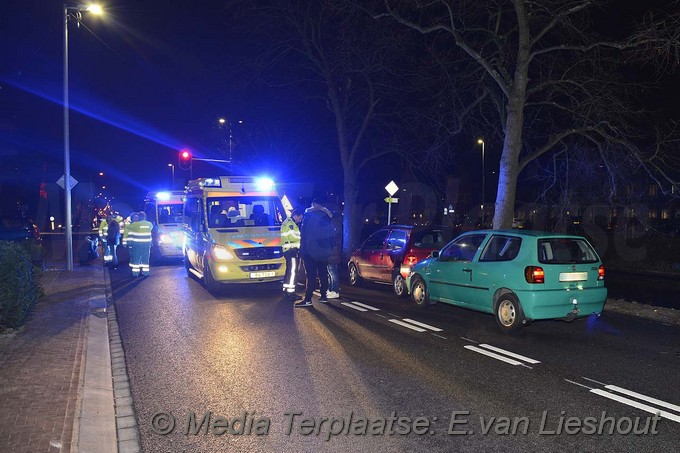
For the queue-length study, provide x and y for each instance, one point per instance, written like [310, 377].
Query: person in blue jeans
[335, 258]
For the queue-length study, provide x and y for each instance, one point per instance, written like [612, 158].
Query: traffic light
[185, 159]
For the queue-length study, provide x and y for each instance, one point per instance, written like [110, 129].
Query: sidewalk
[53, 396]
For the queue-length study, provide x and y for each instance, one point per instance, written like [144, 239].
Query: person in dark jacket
[316, 243]
[336, 253]
[112, 241]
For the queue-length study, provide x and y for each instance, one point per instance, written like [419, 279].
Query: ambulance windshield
[252, 211]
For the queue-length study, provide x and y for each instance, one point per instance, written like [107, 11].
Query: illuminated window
[664, 214]
[652, 214]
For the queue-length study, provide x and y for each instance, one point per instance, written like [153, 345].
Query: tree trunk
[351, 224]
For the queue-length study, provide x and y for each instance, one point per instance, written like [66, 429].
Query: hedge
[19, 285]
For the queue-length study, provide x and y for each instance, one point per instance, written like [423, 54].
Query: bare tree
[334, 53]
[541, 79]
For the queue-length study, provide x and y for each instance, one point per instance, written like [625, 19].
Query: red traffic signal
[185, 159]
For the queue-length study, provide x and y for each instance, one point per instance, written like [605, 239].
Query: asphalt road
[390, 374]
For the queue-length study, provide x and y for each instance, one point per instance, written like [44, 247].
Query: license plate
[262, 274]
[573, 276]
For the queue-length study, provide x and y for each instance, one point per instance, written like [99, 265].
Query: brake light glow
[600, 273]
[410, 260]
[534, 274]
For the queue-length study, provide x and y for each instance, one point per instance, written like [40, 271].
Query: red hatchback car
[388, 254]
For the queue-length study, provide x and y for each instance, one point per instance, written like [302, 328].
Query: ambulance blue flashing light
[264, 183]
[212, 182]
[163, 196]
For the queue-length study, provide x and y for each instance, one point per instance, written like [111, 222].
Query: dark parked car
[388, 254]
[27, 233]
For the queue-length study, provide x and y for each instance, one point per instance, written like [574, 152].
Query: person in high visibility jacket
[139, 241]
[134, 217]
[290, 239]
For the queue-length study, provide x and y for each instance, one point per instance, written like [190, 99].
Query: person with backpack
[316, 243]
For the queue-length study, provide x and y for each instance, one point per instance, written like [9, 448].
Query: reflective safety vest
[103, 229]
[139, 232]
[290, 234]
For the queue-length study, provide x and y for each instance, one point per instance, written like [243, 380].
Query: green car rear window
[565, 251]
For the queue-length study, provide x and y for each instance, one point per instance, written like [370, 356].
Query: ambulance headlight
[166, 239]
[163, 196]
[264, 184]
[221, 253]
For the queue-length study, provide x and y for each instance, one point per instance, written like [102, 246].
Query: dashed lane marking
[351, 305]
[407, 325]
[368, 307]
[508, 353]
[642, 397]
[492, 355]
[422, 324]
[636, 404]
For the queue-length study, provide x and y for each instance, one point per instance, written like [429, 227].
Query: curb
[94, 424]
[126, 423]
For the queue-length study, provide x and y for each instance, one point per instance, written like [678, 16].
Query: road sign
[60, 182]
[391, 200]
[391, 188]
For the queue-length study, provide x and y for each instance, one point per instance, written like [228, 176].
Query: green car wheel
[509, 313]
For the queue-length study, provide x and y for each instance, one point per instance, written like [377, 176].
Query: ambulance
[233, 230]
[164, 210]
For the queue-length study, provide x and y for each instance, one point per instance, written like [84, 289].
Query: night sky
[147, 79]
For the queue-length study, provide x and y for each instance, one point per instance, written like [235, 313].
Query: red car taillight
[600, 273]
[410, 260]
[534, 274]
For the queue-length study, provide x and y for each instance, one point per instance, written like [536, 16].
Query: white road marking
[195, 272]
[493, 355]
[630, 402]
[408, 326]
[508, 353]
[350, 305]
[365, 306]
[576, 383]
[421, 324]
[471, 341]
[440, 336]
[640, 396]
[593, 380]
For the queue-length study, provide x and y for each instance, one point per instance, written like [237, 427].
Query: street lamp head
[222, 121]
[90, 8]
[480, 141]
[170, 165]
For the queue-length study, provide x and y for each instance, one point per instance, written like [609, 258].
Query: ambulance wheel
[211, 284]
[187, 266]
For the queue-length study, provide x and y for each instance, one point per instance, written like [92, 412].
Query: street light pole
[67, 151]
[481, 142]
[172, 167]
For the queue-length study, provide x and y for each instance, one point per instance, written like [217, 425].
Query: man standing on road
[290, 238]
[316, 242]
[112, 241]
[139, 239]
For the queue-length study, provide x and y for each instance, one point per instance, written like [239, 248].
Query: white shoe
[332, 295]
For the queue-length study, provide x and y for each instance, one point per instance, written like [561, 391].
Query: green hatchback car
[518, 276]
